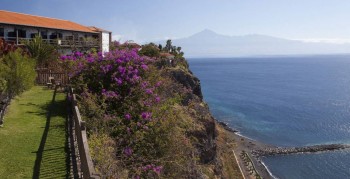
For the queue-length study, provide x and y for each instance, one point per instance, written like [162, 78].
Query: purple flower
[149, 91]
[157, 99]
[109, 94]
[143, 66]
[127, 116]
[63, 58]
[90, 59]
[128, 151]
[144, 84]
[157, 169]
[119, 81]
[149, 167]
[146, 115]
[106, 68]
[78, 54]
[119, 61]
[121, 70]
[158, 83]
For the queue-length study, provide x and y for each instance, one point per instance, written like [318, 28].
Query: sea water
[284, 101]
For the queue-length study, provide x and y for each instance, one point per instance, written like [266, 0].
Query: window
[11, 34]
[2, 34]
[53, 36]
[43, 34]
[22, 33]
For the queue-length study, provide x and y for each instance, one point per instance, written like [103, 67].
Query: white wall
[105, 42]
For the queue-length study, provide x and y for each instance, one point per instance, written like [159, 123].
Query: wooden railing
[43, 78]
[81, 154]
[59, 42]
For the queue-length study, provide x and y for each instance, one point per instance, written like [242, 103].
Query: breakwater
[294, 150]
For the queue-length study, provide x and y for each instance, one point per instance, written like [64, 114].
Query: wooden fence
[43, 78]
[81, 154]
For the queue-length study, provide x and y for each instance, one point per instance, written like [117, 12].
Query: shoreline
[245, 144]
[255, 150]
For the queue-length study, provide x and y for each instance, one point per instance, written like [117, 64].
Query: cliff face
[207, 137]
[187, 79]
[200, 112]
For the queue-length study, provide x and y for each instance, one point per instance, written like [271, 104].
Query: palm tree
[41, 51]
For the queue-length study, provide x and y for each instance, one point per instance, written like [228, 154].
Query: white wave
[268, 170]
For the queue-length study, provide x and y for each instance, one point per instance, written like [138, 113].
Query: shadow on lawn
[52, 157]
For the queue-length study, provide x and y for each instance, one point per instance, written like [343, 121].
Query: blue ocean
[284, 101]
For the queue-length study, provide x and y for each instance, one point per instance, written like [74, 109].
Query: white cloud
[117, 37]
[172, 38]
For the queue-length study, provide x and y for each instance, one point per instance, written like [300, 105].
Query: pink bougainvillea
[118, 79]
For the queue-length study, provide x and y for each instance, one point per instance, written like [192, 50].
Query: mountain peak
[206, 32]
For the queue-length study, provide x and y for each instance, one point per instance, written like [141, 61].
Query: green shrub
[150, 50]
[17, 73]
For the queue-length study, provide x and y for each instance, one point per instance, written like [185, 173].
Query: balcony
[91, 43]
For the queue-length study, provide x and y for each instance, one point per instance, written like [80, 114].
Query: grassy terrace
[33, 139]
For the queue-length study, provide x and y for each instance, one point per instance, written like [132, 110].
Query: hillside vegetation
[146, 117]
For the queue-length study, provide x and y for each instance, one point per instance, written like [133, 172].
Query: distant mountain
[210, 44]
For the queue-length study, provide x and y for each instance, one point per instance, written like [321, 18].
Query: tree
[149, 50]
[160, 47]
[41, 51]
[168, 46]
[178, 49]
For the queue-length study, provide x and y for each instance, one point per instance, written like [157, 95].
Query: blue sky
[153, 20]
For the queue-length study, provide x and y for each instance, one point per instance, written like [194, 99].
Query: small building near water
[167, 55]
[17, 27]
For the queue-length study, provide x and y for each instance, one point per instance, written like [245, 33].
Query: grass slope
[33, 140]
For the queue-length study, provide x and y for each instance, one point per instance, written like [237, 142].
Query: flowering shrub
[119, 96]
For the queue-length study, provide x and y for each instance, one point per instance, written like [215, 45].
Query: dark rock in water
[225, 126]
[294, 150]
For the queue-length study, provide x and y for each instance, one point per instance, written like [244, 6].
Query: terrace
[62, 39]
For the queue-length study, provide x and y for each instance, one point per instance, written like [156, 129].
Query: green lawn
[33, 140]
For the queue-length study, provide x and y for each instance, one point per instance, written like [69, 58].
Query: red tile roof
[14, 18]
[96, 29]
[131, 44]
[164, 54]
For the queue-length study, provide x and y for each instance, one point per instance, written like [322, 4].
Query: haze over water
[285, 101]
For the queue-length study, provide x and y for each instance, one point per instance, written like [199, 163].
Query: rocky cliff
[212, 147]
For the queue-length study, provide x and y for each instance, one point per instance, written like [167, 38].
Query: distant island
[208, 43]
